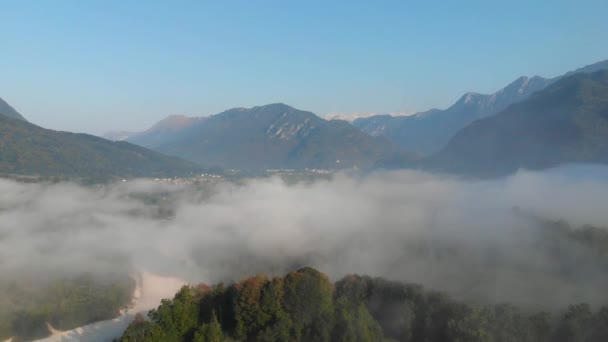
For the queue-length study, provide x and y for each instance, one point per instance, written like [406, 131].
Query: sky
[95, 66]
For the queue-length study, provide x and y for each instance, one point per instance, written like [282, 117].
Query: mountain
[27, 149]
[271, 136]
[587, 69]
[565, 123]
[164, 131]
[427, 132]
[7, 110]
[156, 135]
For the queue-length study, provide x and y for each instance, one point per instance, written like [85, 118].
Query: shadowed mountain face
[27, 149]
[271, 136]
[565, 123]
[7, 110]
[160, 133]
[164, 131]
[428, 132]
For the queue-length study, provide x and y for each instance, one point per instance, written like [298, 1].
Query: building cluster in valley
[190, 180]
[234, 174]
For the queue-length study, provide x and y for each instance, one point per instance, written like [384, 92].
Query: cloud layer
[481, 241]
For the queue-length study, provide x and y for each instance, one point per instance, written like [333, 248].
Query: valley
[284, 171]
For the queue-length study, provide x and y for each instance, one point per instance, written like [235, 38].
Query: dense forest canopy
[305, 306]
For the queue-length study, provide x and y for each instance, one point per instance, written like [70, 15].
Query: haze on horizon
[111, 65]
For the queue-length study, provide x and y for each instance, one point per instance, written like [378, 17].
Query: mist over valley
[303, 171]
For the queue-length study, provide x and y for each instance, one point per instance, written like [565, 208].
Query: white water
[150, 290]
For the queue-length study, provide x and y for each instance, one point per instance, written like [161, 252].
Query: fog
[483, 241]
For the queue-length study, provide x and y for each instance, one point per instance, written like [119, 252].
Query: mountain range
[265, 137]
[27, 149]
[565, 123]
[532, 123]
[279, 136]
[427, 132]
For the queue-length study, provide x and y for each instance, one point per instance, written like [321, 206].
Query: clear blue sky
[93, 66]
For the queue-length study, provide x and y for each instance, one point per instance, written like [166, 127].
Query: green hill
[26, 149]
[305, 306]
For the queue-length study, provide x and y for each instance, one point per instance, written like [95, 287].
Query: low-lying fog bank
[486, 241]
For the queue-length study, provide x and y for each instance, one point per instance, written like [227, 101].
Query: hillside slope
[7, 110]
[427, 132]
[565, 123]
[27, 149]
[305, 306]
[164, 131]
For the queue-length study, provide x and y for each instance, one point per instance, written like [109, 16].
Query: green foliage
[142, 331]
[177, 317]
[279, 324]
[308, 301]
[209, 332]
[353, 322]
[247, 307]
[305, 306]
[27, 304]
[468, 325]
[31, 150]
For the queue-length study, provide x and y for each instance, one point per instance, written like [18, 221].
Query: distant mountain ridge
[427, 132]
[7, 110]
[271, 136]
[118, 135]
[565, 123]
[27, 149]
[163, 131]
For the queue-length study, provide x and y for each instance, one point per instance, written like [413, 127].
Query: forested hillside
[27, 149]
[565, 123]
[305, 306]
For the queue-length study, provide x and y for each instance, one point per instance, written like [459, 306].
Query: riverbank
[150, 290]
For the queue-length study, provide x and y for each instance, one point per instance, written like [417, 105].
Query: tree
[250, 318]
[600, 325]
[540, 327]
[209, 332]
[279, 324]
[469, 325]
[308, 301]
[575, 326]
[177, 317]
[353, 322]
